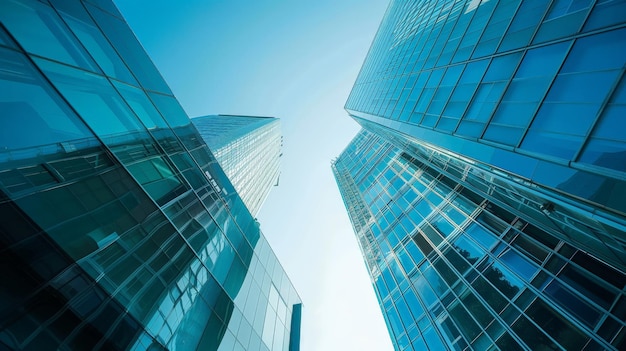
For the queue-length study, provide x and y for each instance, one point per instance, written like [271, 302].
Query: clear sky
[296, 60]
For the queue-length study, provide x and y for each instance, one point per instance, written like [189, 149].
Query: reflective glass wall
[517, 103]
[248, 148]
[118, 228]
[455, 266]
[532, 88]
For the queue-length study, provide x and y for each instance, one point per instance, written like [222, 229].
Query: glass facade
[118, 228]
[535, 89]
[248, 148]
[487, 188]
[455, 268]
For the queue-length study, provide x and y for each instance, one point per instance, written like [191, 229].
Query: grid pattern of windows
[494, 218]
[454, 267]
[248, 149]
[118, 228]
[542, 79]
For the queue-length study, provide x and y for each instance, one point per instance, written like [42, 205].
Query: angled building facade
[248, 148]
[487, 188]
[118, 228]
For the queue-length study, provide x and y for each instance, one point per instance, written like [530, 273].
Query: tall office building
[487, 190]
[118, 228]
[248, 148]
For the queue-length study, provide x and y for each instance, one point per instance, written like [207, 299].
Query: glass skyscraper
[118, 228]
[487, 187]
[248, 148]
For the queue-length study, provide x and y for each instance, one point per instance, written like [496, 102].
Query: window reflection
[30, 103]
[39, 30]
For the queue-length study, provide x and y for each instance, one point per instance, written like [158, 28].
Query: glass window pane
[555, 324]
[482, 236]
[93, 97]
[130, 50]
[597, 52]
[40, 31]
[554, 144]
[564, 18]
[503, 280]
[574, 304]
[519, 264]
[606, 153]
[501, 68]
[523, 27]
[94, 41]
[542, 61]
[605, 13]
[141, 105]
[29, 103]
[170, 109]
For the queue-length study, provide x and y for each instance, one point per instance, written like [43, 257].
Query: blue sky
[296, 60]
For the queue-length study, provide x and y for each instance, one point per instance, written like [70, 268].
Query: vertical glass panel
[466, 324]
[424, 291]
[93, 40]
[521, 30]
[503, 280]
[553, 143]
[597, 52]
[468, 250]
[555, 324]
[542, 61]
[124, 41]
[587, 285]
[525, 91]
[40, 31]
[93, 97]
[157, 178]
[570, 95]
[482, 236]
[605, 13]
[434, 340]
[491, 295]
[494, 30]
[482, 13]
[607, 145]
[519, 264]
[502, 67]
[564, 18]
[5, 39]
[435, 281]
[141, 105]
[532, 336]
[28, 103]
[171, 110]
[574, 304]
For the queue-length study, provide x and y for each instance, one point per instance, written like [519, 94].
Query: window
[124, 41]
[29, 103]
[525, 92]
[93, 97]
[564, 18]
[40, 31]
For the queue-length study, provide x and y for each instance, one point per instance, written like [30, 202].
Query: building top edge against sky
[230, 115]
[249, 150]
[119, 230]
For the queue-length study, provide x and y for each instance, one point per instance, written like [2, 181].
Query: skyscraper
[248, 148]
[118, 228]
[487, 188]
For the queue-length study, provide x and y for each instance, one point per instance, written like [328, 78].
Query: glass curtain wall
[118, 228]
